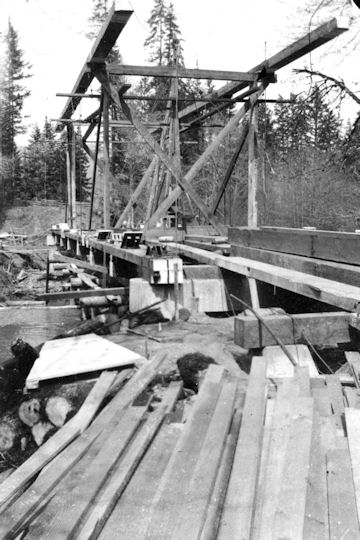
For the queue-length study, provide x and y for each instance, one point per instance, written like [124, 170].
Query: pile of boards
[258, 458]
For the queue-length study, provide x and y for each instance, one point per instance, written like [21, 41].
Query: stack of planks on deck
[296, 469]
[253, 460]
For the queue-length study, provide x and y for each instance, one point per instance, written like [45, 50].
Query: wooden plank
[342, 247]
[279, 366]
[316, 525]
[105, 502]
[180, 72]
[60, 465]
[132, 513]
[178, 473]
[334, 389]
[112, 27]
[290, 513]
[74, 494]
[330, 292]
[343, 518]
[238, 507]
[219, 492]
[266, 500]
[337, 271]
[58, 441]
[322, 402]
[353, 359]
[352, 417]
[352, 396]
[96, 268]
[66, 295]
[193, 508]
[21, 512]
[78, 355]
[302, 379]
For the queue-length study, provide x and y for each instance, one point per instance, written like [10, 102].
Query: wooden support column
[253, 168]
[71, 176]
[106, 153]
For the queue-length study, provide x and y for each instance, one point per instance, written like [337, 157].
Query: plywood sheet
[77, 355]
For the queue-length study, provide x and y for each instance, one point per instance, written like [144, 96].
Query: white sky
[228, 35]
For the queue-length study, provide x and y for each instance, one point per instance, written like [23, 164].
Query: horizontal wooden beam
[299, 48]
[131, 97]
[326, 329]
[330, 292]
[179, 72]
[346, 273]
[105, 41]
[341, 247]
[66, 295]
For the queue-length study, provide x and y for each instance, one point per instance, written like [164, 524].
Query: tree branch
[338, 83]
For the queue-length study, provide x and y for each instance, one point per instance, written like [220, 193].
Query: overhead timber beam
[109, 33]
[299, 48]
[181, 73]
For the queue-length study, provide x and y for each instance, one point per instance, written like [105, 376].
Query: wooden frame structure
[247, 87]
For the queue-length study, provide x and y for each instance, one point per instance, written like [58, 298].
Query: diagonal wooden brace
[184, 185]
[194, 170]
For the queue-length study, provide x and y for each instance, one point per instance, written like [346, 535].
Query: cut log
[29, 412]
[41, 432]
[57, 408]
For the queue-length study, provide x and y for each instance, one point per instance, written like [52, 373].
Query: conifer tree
[14, 71]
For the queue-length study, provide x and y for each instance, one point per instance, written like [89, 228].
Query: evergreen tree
[44, 167]
[164, 44]
[14, 71]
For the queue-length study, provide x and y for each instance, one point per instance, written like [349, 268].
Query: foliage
[14, 70]
[44, 167]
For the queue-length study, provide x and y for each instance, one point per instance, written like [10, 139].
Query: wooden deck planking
[270, 486]
[335, 394]
[132, 513]
[193, 508]
[74, 494]
[238, 507]
[178, 473]
[103, 504]
[343, 518]
[290, 513]
[212, 518]
[352, 417]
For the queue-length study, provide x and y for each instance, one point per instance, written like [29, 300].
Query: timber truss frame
[246, 87]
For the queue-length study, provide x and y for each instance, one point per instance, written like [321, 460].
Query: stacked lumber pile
[257, 460]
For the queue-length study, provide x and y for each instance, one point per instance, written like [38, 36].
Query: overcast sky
[227, 35]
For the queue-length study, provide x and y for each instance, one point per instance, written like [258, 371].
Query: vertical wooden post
[106, 139]
[253, 168]
[176, 291]
[71, 175]
[73, 179]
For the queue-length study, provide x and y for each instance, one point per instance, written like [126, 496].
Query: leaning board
[78, 355]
